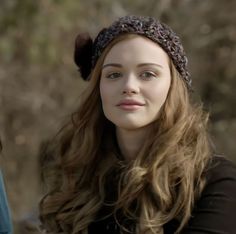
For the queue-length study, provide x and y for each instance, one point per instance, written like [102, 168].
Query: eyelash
[151, 74]
[115, 75]
[111, 75]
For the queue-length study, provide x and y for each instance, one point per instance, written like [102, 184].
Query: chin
[130, 126]
[128, 123]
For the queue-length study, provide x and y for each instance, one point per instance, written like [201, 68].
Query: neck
[130, 141]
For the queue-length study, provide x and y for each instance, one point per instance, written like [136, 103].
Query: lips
[130, 104]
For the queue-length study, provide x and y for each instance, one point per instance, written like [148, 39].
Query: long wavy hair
[161, 183]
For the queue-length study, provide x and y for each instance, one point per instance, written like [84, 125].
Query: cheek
[105, 93]
[102, 94]
[107, 100]
[159, 94]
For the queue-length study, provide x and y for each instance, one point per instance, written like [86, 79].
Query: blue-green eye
[113, 75]
[148, 75]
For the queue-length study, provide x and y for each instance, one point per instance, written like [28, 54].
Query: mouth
[130, 105]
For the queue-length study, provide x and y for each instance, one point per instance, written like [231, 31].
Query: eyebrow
[111, 65]
[139, 65]
[148, 64]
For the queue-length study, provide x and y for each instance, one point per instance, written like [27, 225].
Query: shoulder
[221, 171]
[220, 183]
[216, 208]
[214, 212]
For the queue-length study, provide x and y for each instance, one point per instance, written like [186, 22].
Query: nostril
[129, 91]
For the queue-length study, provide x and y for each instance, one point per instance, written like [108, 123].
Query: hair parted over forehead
[145, 26]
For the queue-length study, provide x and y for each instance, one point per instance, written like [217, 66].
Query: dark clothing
[213, 213]
[5, 221]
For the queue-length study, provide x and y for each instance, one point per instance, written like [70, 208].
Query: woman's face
[134, 82]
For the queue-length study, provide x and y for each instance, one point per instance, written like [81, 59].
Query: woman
[136, 157]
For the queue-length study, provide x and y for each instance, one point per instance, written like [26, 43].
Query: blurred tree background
[40, 85]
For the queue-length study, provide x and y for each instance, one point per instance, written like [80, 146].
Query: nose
[130, 85]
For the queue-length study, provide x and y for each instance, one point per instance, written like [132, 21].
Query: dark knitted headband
[87, 52]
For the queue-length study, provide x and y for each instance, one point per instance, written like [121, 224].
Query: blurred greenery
[40, 85]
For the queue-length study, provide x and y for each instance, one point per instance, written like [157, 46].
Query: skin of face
[134, 83]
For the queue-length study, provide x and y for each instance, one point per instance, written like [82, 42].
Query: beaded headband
[87, 52]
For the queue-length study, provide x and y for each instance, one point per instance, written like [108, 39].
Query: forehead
[136, 49]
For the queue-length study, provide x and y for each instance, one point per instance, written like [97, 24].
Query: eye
[148, 75]
[113, 75]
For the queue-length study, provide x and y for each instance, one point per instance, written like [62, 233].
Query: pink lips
[130, 105]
